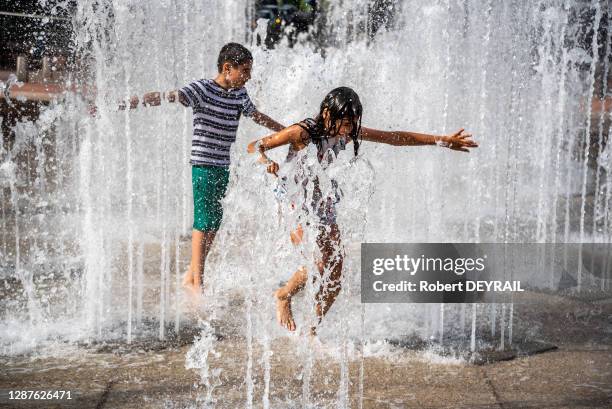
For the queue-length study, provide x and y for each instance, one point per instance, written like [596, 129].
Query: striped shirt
[216, 113]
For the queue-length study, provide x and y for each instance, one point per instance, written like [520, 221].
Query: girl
[338, 124]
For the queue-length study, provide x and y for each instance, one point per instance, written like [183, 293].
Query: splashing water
[198, 359]
[6, 87]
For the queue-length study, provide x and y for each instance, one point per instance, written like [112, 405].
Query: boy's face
[237, 76]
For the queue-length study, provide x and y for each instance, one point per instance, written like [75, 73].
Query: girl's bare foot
[284, 316]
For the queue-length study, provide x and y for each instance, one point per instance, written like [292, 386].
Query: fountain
[96, 210]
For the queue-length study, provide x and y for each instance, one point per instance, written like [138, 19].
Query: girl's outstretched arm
[291, 135]
[458, 141]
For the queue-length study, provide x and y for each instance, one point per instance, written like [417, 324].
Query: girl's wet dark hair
[340, 103]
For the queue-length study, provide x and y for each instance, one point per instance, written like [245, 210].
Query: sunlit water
[91, 232]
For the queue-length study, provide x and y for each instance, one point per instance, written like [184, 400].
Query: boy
[217, 106]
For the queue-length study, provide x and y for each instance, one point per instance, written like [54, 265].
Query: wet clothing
[216, 114]
[328, 148]
[327, 145]
[209, 186]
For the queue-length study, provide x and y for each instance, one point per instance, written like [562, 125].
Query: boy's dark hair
[340, 103]
[235, 54]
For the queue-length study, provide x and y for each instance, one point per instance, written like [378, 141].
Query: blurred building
[36, 51]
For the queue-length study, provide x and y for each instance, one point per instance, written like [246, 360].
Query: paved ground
[571, 377]
[576, 375]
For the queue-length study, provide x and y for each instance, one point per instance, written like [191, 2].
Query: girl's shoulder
[309, 128]
[308, 124]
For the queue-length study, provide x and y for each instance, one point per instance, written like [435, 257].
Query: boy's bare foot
[194, 292]
[284, 316]
[187, 279]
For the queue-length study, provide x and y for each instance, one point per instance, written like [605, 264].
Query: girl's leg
[297, 235]
[283, 295]
[330, 269]
[330, 246]
[283, 298]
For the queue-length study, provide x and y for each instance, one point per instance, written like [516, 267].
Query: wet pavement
[571, 377]
[578, 374]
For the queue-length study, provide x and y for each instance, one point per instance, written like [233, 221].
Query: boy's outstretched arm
[265, 120]
[458, 141]
[154, 99]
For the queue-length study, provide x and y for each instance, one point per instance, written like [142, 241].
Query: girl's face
[343, 127]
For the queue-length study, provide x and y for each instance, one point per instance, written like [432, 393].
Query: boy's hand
[151, 98]
[459, 141]
[92, 109]
[133, 103]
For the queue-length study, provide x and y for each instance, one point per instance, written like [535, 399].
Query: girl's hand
[272, 167]
[459, 141]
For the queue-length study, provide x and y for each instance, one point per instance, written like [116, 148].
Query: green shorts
[209, 186]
